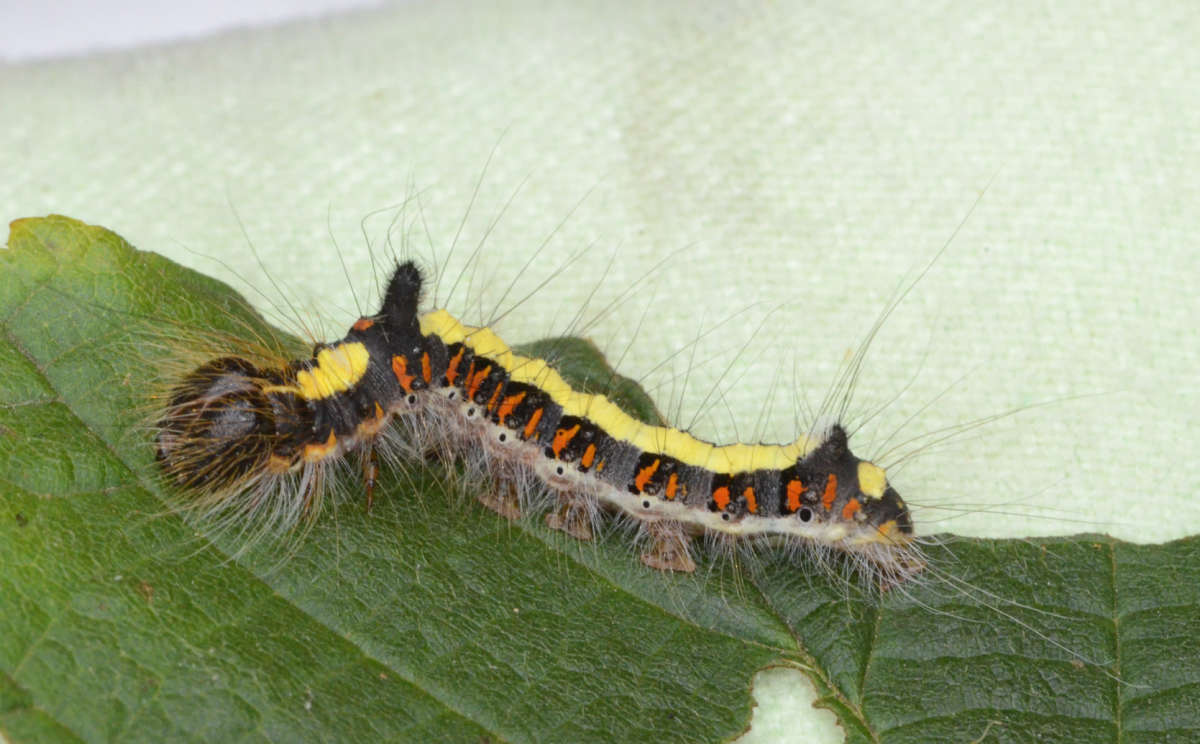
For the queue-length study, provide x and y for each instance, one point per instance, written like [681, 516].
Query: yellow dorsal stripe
[659, 440]
[338, 369]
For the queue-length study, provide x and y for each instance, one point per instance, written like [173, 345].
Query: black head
[844, 489]
[891, 508]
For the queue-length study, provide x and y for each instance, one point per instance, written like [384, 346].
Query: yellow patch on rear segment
[872, 481]
[277, 465]
[338, 369]
[659, 440]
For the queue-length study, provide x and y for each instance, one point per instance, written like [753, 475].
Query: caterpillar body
[248, 442]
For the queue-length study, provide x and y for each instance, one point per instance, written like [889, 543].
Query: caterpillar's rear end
[248, 442]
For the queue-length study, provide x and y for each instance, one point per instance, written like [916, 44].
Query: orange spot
[644, 475]
[850, 508]
[400, 370]
[371, 425]
[452, 369]
[510, 403]
[751, 502]
[794, 490]
[721, 497]
[533, 422]
[600, 466]
[315, 452]
[491, 404]
[562, 437]
[476, 380]
[589, 455]
[672, 485]
[830, 492]
[426, 367]
[363, 324]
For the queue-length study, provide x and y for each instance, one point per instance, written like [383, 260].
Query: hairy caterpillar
[401, 384]
[390, 565]
[259, 442]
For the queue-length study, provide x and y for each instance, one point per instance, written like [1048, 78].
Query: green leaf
[432, 619]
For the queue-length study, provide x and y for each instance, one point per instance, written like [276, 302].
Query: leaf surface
[431, 619]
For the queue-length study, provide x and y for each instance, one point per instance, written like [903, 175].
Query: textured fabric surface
[790, 166]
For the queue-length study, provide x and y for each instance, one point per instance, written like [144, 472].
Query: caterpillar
[394, 569]
[251, 443]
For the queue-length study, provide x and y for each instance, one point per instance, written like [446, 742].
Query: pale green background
[802, 157]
